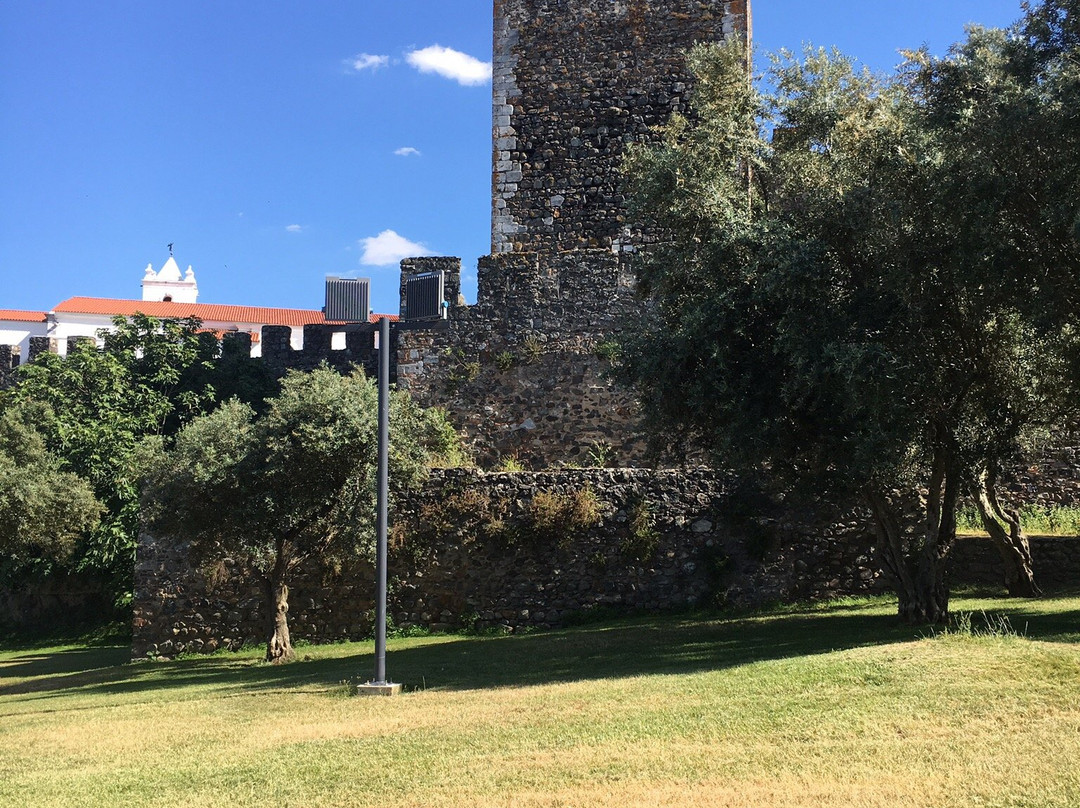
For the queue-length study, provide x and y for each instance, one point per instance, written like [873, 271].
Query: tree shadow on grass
[631, 647]
[56, 663]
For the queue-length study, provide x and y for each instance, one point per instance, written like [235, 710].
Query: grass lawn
[829, 706]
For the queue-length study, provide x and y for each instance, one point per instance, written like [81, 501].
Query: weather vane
[170, 247]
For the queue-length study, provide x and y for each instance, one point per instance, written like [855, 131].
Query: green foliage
[532, 349]
[504, 360]
[608, 350]
[1057, 520]
[43, 509]
[600, 453]
[294, 484]
[511, 463]
[463, 370]
[148, 378]
[425, 435]
[871, 281]
[641, 538]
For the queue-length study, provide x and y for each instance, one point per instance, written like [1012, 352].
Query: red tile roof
[204, 311]
[15, 316]
[207, 312]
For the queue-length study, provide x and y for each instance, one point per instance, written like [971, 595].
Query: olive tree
[868, 284]
[294, 484]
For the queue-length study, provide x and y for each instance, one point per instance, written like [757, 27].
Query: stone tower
[523, 371]
[574, 81]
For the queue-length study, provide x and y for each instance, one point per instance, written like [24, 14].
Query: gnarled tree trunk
[917, 562]
[278, 645]
[917, 567]
[1010, 541]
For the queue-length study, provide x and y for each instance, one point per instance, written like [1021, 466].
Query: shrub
[558, 518]
[641, 539]
[504, 361]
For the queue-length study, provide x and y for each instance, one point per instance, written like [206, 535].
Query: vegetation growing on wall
[641, 538]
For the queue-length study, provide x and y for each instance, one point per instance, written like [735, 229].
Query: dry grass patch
[818, 707]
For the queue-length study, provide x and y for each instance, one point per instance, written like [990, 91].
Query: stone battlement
[341, 347]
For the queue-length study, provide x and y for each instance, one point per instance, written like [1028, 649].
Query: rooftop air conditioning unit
[425, 297]
[348, 299]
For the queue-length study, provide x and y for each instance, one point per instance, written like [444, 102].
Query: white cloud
[367, 61]
[407, 151]
[450, 64]
[294, 228]
[389, 248]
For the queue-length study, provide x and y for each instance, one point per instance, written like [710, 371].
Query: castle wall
[524, 371]
[9, 360]
[468, 550]
[281, 349]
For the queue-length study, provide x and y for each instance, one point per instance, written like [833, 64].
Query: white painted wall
[15, 332]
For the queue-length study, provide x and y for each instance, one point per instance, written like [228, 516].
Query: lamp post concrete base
[378, 689]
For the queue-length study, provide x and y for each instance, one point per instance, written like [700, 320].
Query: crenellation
[9, 361]
[359, 348]
[40, 345]
[236, 343]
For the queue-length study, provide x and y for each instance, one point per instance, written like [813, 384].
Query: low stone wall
[1050, 480]
[975, 561]
[520, 549]
[59, 600]
[514, 550]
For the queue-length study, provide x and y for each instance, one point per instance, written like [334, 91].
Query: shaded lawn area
[636, 646]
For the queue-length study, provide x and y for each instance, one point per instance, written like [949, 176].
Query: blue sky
[276, 143]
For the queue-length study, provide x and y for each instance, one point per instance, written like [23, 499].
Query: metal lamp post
[424, 305]
[378, 686]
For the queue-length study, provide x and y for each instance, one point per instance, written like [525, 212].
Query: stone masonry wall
[523, 372]
[359, 350]
[466, 551]
[442, 581]
[9, 360]
[574, 82]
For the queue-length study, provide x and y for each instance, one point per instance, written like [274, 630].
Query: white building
[165, 295]
[166, 285]
[16, 328]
